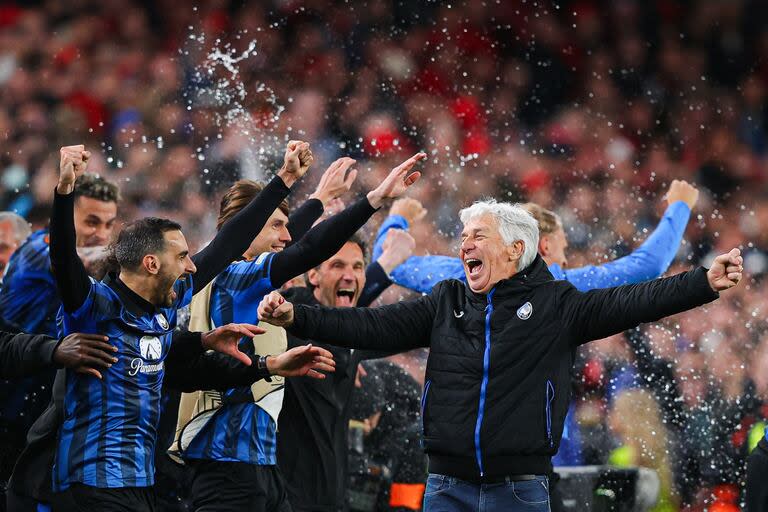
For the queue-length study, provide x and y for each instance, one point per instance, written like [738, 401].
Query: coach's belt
[505, 479]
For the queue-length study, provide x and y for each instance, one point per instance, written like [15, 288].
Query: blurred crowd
[588, 108]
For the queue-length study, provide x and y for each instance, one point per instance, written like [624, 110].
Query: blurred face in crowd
[487, 259]
[94, 221]
[552, 247]
[8, 243]
[339, 281]
[171, 264]
[273, 237]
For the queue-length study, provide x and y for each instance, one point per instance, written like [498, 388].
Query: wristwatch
[261, 366]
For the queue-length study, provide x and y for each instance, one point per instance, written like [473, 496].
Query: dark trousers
[16, 503]
[757, 478]
[84, 498]
[450, 494]
[237, 486]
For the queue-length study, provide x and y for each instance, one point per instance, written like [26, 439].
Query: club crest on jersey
[524, 312]
[161, 320]
[150, 347]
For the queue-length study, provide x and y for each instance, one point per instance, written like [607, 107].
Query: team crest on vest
[524, 312]
[161, 320]
[150, 347]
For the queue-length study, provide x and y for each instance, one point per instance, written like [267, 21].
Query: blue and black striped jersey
[110, 426]
[28, 299]
[239, 432]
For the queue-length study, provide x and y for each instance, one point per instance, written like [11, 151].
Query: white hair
[515, 223]
[21, 229]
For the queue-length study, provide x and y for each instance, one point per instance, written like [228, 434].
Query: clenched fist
[725, 272]
[298, 158]
[410, 209]
[275, 310]
[681, 190]
[74, 162]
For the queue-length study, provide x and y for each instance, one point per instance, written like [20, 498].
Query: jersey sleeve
[184, 289]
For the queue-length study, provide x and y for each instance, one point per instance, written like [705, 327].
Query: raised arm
[325, 239]
[654, 255]
[334, 182]
[71, 278]
[398, 247]
[402, 326]
[601, 313]
[237, 234]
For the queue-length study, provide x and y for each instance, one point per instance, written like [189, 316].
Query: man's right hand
[84, 353]
[335, 181]
[298, 158]
[73, 163]
[681, 190]
[411, 209]
[275, 310]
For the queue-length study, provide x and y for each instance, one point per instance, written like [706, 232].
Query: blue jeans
[449, 494]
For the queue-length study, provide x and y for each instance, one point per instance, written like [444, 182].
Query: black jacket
[313, 427]
[22, 354]
[498, 375]
[187, 368]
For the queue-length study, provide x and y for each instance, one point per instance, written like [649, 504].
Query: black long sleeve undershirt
[71, 277]
[320, 243]
[229, 244]
[189, 367]
[301, 220]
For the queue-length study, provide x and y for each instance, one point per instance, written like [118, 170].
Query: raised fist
[74, 162]
[411, 209]
[298, 158]
[681, 190]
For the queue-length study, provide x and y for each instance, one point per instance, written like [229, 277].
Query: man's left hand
[225, 339]
[302, 361]
[726, 271]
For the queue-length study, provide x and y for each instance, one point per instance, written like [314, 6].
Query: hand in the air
[726, 271]
[226, 339]
[396, 182]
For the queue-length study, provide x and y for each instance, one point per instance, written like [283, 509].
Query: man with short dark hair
[28, 299]
[106, 444]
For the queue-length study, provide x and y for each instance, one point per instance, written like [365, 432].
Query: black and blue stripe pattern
[108, 436]
[239, 432]
[28, 299]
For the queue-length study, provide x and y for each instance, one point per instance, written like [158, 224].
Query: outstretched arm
[325, 239]
[600, 313]
[237, 234]
[22, 354]
[397, 327]
[653, 257]
[71, 278]
[648, 261]
[212, 360]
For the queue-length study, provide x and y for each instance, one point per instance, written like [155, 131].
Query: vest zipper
[484, 383]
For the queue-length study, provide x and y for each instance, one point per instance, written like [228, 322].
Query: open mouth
[474, 265]
[345, 296]
[277, 248]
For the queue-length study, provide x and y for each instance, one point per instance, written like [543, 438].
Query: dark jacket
[498, 375]
[187, 368]
[313, 427]
[23, 354]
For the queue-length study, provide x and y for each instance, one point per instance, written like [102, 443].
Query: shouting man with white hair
[501, 349]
